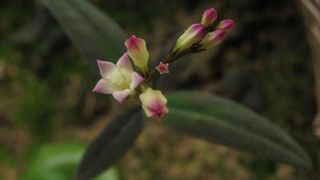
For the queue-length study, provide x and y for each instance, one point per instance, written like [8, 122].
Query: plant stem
[172, 57]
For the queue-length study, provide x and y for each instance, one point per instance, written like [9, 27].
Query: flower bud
[138, 52]
[208, 17]
[154, 103]
[191, 36]
[226, 25]
[163, 68]
[212, 39]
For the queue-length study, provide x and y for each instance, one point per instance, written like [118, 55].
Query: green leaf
[54, 161]
[111, 174]
[111, 144]
[223, 121]
[58, 161]
[95, 34]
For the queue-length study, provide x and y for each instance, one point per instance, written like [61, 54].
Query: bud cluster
[200, 36]
[130, 76]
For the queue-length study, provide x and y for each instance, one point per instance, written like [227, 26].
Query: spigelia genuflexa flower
[226, 25]
[119, 80]
[138, 52]
[163, 68]
[209, 16]
[154, 103]
[191, 36]
[212, 39]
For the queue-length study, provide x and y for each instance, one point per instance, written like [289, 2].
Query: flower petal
[106, 68]
[136, 80]
[157, 111]
[125, 67]
[124, 63]
[120, 96]
[138, 52]
[103, 86]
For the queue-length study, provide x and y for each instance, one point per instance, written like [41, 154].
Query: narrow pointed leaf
[95, 34]
[111, 145]
[223, 121]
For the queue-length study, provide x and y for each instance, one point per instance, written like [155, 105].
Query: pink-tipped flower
[163, 68]
[117, 79]
[138, 52]
[226, 25]
[154, 103]
[209, 16]
[212, 39]
[191, 36]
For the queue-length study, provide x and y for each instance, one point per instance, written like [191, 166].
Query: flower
[226, 25]
[163, 68]
[138, 52]
[154, 103]
[191, 36]
[119, 80]
[209, 16]
[212, 39]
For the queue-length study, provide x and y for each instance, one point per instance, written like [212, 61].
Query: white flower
[119, 80]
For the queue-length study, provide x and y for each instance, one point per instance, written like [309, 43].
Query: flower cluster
[121, 80]
[130, 76]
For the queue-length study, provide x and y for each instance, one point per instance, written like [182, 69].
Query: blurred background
[47, 109]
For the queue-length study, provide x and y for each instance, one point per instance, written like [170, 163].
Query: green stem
[172, 57]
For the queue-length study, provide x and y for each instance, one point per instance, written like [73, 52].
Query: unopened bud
[163, 68]
[212, 39]
[208, 17]
[138, 52]
[226, 25]
[191, 36]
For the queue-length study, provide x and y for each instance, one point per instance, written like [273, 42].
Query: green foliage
[7, 156]
[219, 120]
[54, 162]
[95, 34]
[58, 162]
[33, 110]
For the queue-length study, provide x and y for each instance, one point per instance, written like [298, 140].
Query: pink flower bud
[154, 103]
[226, 25]
[163, 68]
[209, 16]
[138, 52]
[191, 36]
[212, 39]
